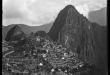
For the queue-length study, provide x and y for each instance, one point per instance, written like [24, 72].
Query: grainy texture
[71, 47]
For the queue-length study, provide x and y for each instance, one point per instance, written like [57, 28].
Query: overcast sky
[38, 12]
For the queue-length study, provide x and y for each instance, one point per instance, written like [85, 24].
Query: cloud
[38, 12]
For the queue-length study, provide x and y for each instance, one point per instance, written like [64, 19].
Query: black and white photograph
[54, 37]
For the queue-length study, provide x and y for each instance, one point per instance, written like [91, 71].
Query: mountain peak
[72, 30]
[14, 33]
[16, 27]
[70, 7]
[68, 16]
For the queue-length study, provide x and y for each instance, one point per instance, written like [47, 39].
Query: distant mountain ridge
[99, 16]
[26, 29]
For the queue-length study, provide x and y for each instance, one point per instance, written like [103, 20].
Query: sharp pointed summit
[70, 8]
[69, 15]
[74, 31]
[15, 33]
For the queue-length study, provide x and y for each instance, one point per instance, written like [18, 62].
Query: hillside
[25, 28]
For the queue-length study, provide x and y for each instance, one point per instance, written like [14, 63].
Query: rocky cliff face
[79, 35]
[74, 31]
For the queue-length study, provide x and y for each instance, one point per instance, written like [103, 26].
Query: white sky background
[39, 12]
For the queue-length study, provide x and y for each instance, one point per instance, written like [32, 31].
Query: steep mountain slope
[100, 38]
[75, 32]
[72, 29]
